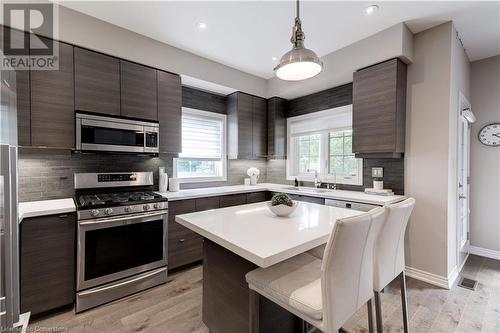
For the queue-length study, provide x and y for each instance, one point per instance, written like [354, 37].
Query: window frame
[293, 163]
[223, 159]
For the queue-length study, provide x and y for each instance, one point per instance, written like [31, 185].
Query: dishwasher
[350, 205]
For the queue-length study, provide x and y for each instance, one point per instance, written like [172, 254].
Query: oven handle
[142, 277]
[123, 218]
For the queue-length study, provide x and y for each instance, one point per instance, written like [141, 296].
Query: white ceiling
[247, 35]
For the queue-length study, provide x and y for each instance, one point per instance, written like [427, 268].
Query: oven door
[104, 135]
[113, 248]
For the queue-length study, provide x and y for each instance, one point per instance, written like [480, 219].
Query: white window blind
[202, 136]
[321, 122]
[203, 156]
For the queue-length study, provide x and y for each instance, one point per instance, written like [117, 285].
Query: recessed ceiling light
[370, 10]
[274, 58]
[202, 25]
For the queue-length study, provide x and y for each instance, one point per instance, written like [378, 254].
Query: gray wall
[485, 161]
[439, 72]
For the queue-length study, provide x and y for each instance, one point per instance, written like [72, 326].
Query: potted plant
[378, 183]
[282, 205]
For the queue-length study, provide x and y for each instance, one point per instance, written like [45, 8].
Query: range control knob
[146, 207]
[94, 212]
[108, 211]
[128, 209]
[157, 205]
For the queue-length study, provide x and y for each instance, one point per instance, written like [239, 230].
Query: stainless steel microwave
[115, 134]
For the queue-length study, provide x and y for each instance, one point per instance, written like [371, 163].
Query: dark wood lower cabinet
[184, 246]
[233, 200]
[258, 197]
[207, 203]
[47, 262]
[306, 198]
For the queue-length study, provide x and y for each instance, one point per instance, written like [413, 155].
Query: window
[203, 156]
[322, 142]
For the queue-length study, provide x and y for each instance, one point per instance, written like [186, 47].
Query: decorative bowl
[282, 210]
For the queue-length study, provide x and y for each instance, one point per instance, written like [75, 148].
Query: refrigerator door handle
[15, 235]
[6, 258]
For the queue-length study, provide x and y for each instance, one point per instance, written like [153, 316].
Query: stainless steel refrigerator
[9, 225]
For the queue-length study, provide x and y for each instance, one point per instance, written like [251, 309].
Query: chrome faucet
[334, 185]
[317, 182]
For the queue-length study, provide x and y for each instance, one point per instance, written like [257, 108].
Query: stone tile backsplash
[48, 174]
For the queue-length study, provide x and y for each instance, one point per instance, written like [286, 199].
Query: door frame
[463, 104]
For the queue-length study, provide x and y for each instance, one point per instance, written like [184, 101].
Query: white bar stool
[325, 293]
[389, 260]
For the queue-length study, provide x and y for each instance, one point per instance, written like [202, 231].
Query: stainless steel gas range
[122, 236]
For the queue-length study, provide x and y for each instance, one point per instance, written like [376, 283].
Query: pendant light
[300, 63]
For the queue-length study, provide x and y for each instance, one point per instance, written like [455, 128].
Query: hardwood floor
[176, 307]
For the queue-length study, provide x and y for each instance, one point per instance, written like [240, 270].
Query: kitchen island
[241, 238]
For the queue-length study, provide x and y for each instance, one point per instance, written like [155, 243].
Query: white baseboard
[481, 251]
[434, 279]
[452, 277]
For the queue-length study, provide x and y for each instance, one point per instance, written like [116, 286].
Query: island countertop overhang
[253, 232]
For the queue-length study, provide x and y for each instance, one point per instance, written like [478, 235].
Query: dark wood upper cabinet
[22, 89]
[23, 108]
[138, 91]
[52, 103]
[247, 126]
[276, 127]
[97, 82]
[259, 127]
[47, 262]
[170, 112]
[239, 125]
[379, 107]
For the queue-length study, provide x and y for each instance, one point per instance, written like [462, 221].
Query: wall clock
[490, 135]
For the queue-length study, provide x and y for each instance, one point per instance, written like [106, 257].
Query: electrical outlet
[378, 172]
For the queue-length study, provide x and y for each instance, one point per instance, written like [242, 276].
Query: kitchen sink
[308, 189]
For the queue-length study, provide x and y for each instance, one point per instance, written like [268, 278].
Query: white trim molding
[481, 251]
[431, 278]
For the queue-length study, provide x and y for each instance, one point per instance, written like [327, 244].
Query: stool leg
[378, 313]
[254, 311]
[403, 301]
[370, 315]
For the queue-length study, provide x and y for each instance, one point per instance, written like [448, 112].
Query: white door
[464, 129]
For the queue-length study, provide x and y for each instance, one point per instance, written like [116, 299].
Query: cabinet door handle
[63, 216]
[181, 240]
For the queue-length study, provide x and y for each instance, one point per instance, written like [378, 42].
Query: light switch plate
[378, 172]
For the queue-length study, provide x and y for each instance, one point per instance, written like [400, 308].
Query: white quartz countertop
[356, 196]
[254, 233]
[45, 207]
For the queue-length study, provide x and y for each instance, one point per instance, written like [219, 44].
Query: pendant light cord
[298, 35]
